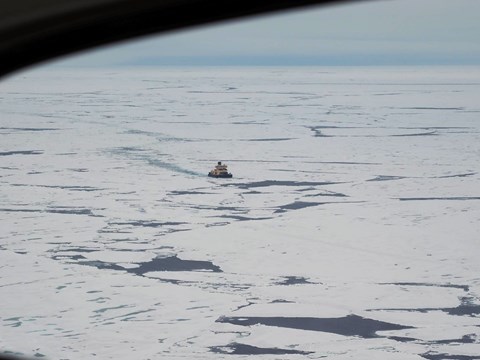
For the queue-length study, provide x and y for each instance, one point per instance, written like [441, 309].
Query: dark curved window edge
[56, 33]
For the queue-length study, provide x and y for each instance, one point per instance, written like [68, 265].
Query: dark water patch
[281, 301]
[14, 324]
[342, 162]
[103, 310]
[466, 308]
[173, 263]
[81, 170]
[79, 249]
[252, 192]
[327, 193]
[71, 211]
[28, 129]
[403, 339]
[131, 316]
[306, 189]
[270, 139]
[455, 175]
[220, 208]
[386, 178]
[243, 218]
[437, 356]
[147, 223]
[223, 223]
[143, 250]
[21, 152]
[351, 325]
[21, 210]
[430, 133]
[54, 242]
[60, 210]
[432, 108]
[171, 281]
[266, 183]
[318, 133]
[72, 187]
[297, 205]
[244, 349]
[75, 336]
[294, 280]
[465, 339]
[248, 123]
[453, 286]
[249, 303]
[16, 318]
[179, 192]
[459, 198]
[128, 149]
[100, 299]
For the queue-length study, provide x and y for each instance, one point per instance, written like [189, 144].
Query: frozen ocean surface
[350, 230]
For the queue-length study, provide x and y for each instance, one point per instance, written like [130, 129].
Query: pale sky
[381, 32]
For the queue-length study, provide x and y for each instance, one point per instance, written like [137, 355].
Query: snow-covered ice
[350, 230]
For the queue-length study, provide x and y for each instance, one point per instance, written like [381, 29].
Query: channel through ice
[350, 228]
